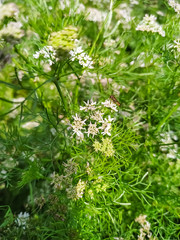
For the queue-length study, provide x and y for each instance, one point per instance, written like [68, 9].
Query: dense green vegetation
[90, 120]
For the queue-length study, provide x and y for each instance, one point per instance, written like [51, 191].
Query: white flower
[89, 106]
[8, 10]
[174, 5]
[110, 104]
[47, 52]
[22, 219]
[50, 62]
[64, 4]
[79, 54]
[97, 116]
[78, 125]
[36, 55]
[76, 52]
[172, 154]
[109, 119]
[106, 126]
[149, 24]
[92, 129]
[76, 118]
[12, 29]
[80, 8]
[124, 15]
[80, 189]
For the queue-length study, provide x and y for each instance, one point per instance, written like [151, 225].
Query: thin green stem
[149, 109]
[61, 95]
[77, 85]
[31, 194]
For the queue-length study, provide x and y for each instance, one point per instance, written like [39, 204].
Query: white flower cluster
[8, 10]
[174, 5]
[90, 106]
[149, 24]
[96, 15]
[80, 8]
[110, 104]
[78, 126]
[47, 52]
[12, 29]
[22, 219]
[84, 59]
[145, 230]
[64, 4]
[94, 124]
[124, 15]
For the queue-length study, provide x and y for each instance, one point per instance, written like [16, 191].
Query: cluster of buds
[105, 147]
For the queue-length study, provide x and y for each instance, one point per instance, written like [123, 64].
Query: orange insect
[115, 100]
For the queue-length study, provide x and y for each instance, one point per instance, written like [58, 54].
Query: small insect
[115, 100]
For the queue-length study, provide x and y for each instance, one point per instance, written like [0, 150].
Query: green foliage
[29, 175]
[8, 217]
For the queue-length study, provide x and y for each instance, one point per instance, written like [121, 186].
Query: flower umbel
[22, 219]
[90, 106]
[80, 189]
[105, 147]
[79, 54]
[47, 52]
[97, 116]
[92, 129]
[145, 230]
[149, 24]
[110, 104]
[174, 5]
[78, 125]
